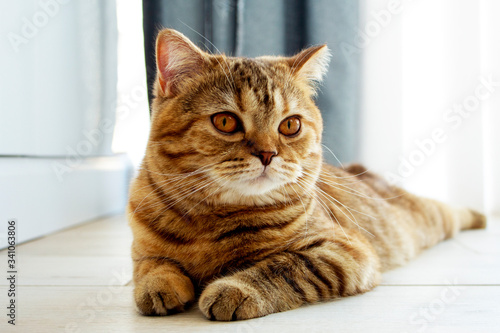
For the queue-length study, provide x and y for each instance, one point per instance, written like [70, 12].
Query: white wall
[490, 63]
[57, 115]
[58, 81]
[381, 79]
[427, 60]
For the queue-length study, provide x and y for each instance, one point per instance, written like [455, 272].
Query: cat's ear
[310, 64]
[178, 62]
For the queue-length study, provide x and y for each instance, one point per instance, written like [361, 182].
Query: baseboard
[45, 195]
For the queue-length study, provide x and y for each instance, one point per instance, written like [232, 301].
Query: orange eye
[225, 122]
[290, 126]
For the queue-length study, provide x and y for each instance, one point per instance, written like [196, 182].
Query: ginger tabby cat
[234, 206]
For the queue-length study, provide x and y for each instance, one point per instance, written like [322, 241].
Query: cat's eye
[225, 122]
[290, 126]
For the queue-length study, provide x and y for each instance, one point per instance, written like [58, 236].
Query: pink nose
[265, 157]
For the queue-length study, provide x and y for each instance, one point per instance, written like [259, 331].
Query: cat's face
[249, 126]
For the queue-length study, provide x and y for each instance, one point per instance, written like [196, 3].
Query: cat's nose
[265, 156]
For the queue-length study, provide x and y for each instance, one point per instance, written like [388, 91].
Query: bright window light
[132, 109]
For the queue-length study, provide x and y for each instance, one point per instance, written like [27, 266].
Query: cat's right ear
[178, 62]
[311, 64]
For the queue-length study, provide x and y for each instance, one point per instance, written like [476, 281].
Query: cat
[234, 207]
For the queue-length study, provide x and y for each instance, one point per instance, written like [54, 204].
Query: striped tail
[471, 219]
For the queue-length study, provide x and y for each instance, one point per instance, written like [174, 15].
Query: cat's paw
[161, 295]
[228, 299]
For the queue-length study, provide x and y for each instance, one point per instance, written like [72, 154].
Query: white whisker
[333, 155]
[233, 84]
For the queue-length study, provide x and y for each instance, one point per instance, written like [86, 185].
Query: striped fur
[212, 222]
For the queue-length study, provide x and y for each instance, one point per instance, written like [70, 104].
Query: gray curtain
[275, 27]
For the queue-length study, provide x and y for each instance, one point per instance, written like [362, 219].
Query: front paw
[228, 299]
[163, 294]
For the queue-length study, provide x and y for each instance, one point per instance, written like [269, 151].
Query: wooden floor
[78, 280]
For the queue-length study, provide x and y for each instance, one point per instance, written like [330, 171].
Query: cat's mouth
[255, 181]
[260, 177]
[259, 184]
[263, 176]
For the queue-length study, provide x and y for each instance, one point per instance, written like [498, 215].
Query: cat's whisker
[346, 188]
[182, 182]
[164, 183]
[355, 221]
[239, 172]
[177, 178]
[190, 173]
[357, 193]
[335, 156]
[149, 185]
[212, 193]
[344, 177]
[305, 213]
[295, 64]
[326, 194]
[322, 177]
[195, 187]
[350, 208]
[329, 213]
[303, 206]
[185, 188]
[233, 84]
[182, 198]
[232, 166]
[286, 196]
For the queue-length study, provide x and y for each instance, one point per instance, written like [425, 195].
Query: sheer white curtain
[431, 97]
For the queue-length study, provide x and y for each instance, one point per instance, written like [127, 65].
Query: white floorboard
[77, 281]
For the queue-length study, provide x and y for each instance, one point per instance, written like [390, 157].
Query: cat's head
[249, 125]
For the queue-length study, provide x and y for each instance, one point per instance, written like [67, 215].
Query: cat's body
[234, 202]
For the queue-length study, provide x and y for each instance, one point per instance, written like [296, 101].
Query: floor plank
[106, 237]
[385, 309]
[452, 261]
[75, 271]
[78, 280]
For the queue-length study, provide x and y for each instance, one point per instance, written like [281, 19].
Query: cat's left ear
[179, 62]
[311, 64]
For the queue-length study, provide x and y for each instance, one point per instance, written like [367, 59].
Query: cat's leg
[161, 288]
[322, 270]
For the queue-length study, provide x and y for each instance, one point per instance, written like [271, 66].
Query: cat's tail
[471, 219]
[453, 219]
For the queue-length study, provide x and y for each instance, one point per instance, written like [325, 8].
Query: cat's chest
[217, 244]
[207, 257]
